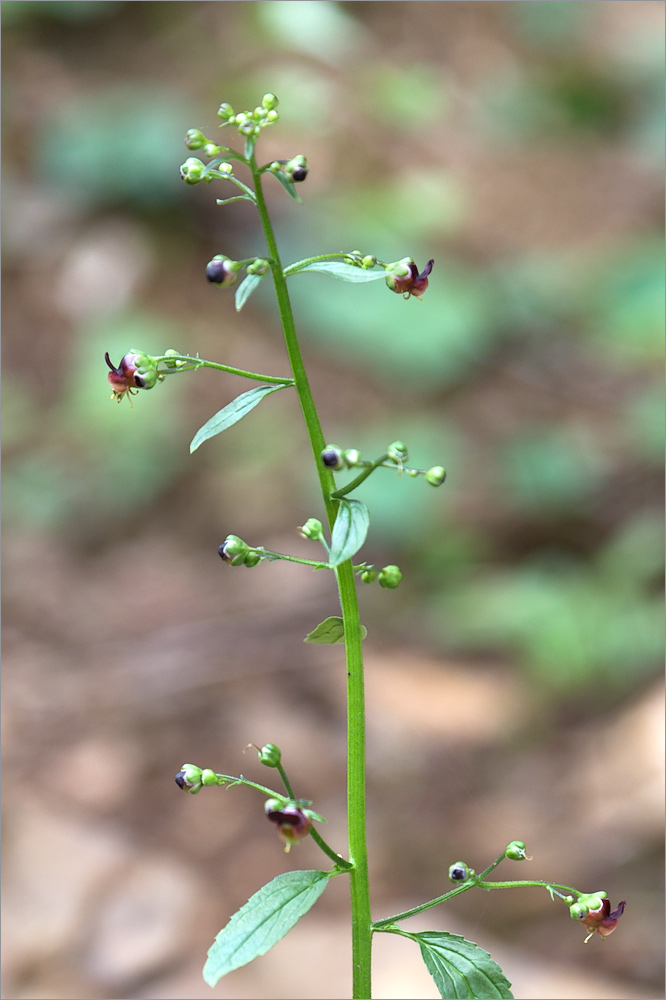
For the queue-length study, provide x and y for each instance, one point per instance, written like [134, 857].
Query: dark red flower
[406, 279]
[602, 920]
[292, 822]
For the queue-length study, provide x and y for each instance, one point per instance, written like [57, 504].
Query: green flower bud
[516, 851]
[369, 261]
[252, 559]
[459, 871]
[248, 128]
[225, 112]
[234, 550]
[173, 364]
[189, 778]
[275, 167]
[258, 266]
[390, 577]
[436, 475]
[210, 149]
[397, 452]
[296, 169]
[195, 139]
[191, 171]
[270, 755]
[351, 456]
[312, 529]
[332, 457]
[208, 777]
[269, 102]
[369, 574]
[272, 116]
[578, 911]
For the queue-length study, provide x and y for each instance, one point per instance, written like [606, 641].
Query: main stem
[356, 820]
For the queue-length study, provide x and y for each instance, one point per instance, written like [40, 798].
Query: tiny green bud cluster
[390, 577]
[250, 123]
[340, 458]
[236, 552]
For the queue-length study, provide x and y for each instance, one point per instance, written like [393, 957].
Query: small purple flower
[292, 822]
[403, 277]
[602, 920]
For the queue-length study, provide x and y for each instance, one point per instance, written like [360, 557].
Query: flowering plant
[459, 968]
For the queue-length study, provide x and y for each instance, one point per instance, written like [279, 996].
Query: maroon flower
[292, 822]
[602, 920]
[406, 280]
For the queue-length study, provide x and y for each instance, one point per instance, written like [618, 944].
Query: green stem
[359, 885]
[285, 780]
[339, 860]
[380, 925]
[194, 363]
[338, 494]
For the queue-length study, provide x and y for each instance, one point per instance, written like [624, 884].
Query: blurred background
[515, 679]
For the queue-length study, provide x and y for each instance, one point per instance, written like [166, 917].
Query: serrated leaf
[338, 269]
[330, 631]
[232, 413]
[349, 531]
[263, 921]
[245, 289]
[461, 970]
[287, 185]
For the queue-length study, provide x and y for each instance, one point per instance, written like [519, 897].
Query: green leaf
[263, 921]
[330, 631]
[349, 531]
[461, 970]
[232, 413]
[287, 185]
[338, 269]
[245, 289]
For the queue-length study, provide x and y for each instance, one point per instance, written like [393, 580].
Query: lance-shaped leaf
[330, 631]
[263, 921]
[337, 269]
[287, 184]
[349, 531]
[245, 289]
[232, 413]
[461, 970]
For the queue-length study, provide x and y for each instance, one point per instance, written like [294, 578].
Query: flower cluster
[250, 123]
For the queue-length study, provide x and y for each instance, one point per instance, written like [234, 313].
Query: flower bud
[369, 574]
[459, 871]
[189, 778]
[296, 169]
[173, 364]
[191, 171]
[270, 755]
[292, 822]
[208, 777]
[436, 475]
[252, 559]
[234, 550]
[210, 149]
[258, 266]
[269, 102]
[397, 452]
[516, 851]
[351, 457]
[390, 577]
[312, 529]
[332, 457]
[195, 139]
[223, 272]
[225, 111]
[369, 261]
